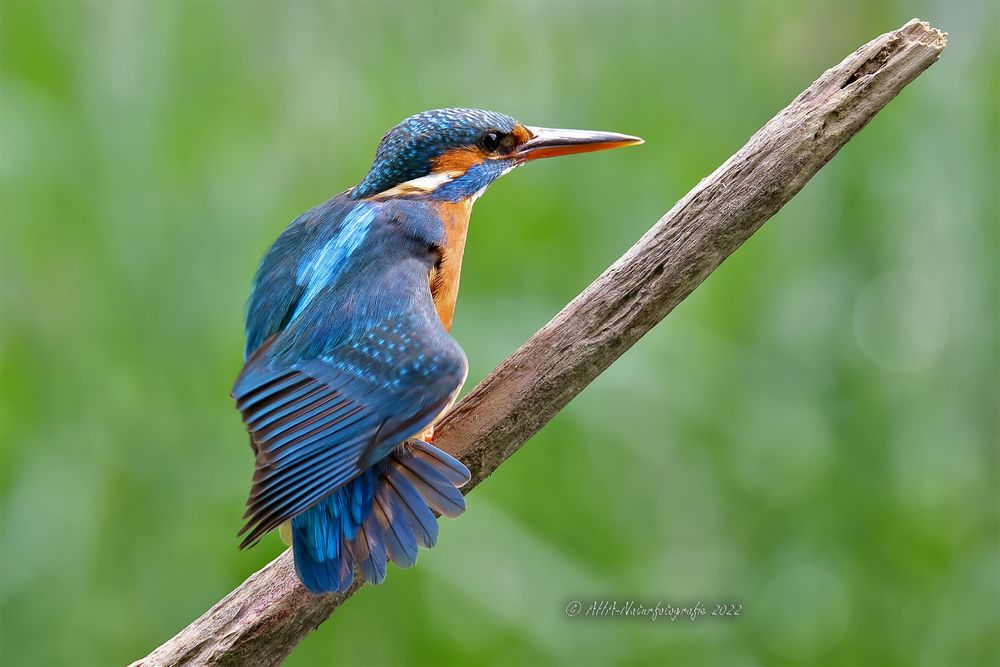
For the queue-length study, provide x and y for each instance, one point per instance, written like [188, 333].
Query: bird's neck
[445, 278]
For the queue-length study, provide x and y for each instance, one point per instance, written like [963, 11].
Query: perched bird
[348, 357]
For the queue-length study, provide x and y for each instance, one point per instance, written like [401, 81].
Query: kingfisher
[349, 361]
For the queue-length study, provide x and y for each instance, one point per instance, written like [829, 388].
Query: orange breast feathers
[445, 278]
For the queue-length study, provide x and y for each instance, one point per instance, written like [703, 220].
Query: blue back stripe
[319, 270]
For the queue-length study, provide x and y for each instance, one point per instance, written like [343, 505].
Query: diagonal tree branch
[260, 622]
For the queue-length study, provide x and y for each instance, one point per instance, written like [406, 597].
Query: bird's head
[454, 154]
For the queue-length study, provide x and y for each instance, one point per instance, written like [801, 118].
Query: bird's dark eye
[497, 143]
[490, 142]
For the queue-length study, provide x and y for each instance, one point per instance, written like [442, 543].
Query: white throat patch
[422, 185]
[431, 182]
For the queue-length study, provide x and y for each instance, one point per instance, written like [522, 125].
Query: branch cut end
[916, 33]
[918, 30]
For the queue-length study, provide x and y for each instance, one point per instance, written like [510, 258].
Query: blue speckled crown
[406, 150]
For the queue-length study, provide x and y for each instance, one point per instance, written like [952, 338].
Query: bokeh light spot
[803, 611]
[901, 321]
[783, 447]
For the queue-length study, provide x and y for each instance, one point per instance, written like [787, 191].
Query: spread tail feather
[386, 512]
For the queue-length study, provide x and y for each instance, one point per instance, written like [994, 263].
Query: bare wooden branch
[260, 622]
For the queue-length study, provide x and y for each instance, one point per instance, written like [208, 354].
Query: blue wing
[279, 286]
[359, 363]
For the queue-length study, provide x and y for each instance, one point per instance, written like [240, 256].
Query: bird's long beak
[546, 142]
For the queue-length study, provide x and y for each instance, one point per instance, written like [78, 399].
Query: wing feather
[358, 367]
[317, 426]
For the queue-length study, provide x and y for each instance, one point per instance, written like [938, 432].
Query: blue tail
[384, 512]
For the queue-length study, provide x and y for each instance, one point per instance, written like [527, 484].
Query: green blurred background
[813, 434]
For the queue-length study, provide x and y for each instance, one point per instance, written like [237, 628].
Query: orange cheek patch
[521, 133]
[457, 159]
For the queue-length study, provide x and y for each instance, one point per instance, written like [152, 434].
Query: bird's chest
[445, 277]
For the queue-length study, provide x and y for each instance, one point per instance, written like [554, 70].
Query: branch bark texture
[260, 622]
